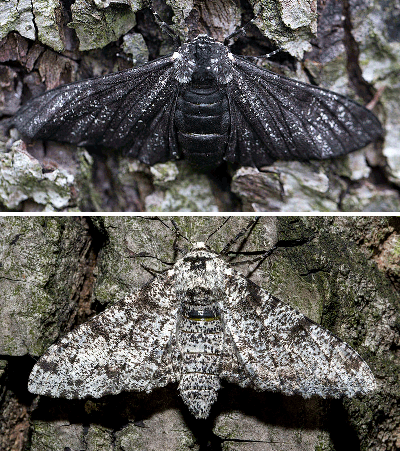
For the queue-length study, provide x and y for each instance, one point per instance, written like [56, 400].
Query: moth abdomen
[202, 122]
[200, 339]
[199, 392]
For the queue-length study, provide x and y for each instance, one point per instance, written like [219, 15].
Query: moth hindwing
[197, 323]
[203, 104]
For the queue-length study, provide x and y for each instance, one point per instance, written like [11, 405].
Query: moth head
[203, 62]
[199, 270]
[200, 245]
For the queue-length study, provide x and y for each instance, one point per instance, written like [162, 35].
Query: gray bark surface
[47, 43]
[341, 272]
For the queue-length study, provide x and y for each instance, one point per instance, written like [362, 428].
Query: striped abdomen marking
[202, 121]
[200, 338]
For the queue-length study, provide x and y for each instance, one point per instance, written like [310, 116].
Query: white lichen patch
[16, 15]
[188, 192]
[22, 178]
[97, 27]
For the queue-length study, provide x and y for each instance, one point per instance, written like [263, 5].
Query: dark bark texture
[341, 272]
[48, 43]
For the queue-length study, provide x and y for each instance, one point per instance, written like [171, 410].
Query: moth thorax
[198, 295]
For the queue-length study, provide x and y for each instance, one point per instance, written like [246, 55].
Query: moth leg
[250, 225]
[143, 254]
[178, 234]
[241, 31]
[260, 260]
[165, 27]
[261, 256]
[152, 271]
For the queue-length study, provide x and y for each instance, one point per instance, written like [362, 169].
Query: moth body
[199, 340]
[202, 116]
[200, 331]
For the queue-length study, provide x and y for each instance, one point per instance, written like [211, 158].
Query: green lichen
[324, 443]
[97, 27]
[289, 25]
[40, 261]
[48, 15]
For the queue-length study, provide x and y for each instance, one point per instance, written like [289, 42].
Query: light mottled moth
[197, 323]
[206, 105]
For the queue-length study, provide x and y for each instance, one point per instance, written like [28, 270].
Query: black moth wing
[277, 348]
[280, 118]
[125, 348]
[131, 110]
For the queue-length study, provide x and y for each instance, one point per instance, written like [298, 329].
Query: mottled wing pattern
[124, 348]
[282, 350]
[281, 118]
[131, 110]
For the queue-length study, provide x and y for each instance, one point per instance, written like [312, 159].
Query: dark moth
[195, 324]
[203, 104]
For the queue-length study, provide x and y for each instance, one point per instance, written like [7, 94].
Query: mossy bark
[341, 272]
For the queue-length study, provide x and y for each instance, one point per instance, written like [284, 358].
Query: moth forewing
[118, 350]
[286, 351]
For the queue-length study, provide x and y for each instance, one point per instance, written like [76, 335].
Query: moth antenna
[216, 230]
[268, 55]
[239, 235]
[241, 30]
[165, 27]
[178, 232]
[124, 57]
[254, 59]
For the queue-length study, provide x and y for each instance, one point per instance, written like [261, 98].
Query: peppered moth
[206, 105]
[197, 323]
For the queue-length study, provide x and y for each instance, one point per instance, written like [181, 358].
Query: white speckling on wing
[114, 351]
[282, 350]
